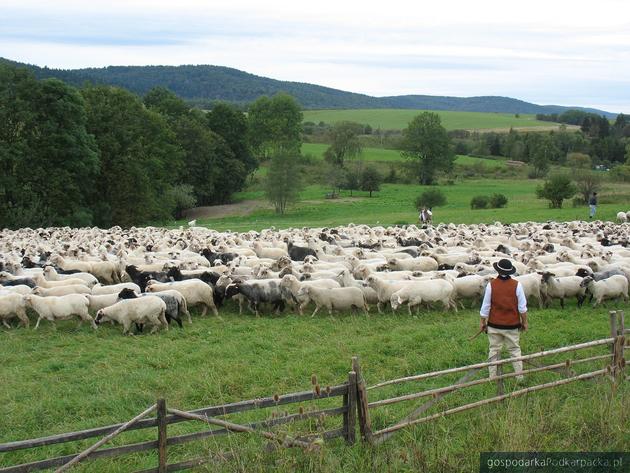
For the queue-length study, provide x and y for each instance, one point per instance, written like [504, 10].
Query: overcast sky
[547, 52]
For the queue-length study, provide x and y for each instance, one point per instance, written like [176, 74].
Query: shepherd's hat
[504, 267]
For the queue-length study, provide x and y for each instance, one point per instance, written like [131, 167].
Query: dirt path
[237, 209]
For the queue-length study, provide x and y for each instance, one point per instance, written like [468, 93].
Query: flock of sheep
[152, 276]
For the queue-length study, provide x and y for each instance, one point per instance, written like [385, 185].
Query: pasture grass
[391, 155]
[398, 119]
[71, 378]
[394, 204]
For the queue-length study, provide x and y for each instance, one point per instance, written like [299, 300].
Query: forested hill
[205, 84]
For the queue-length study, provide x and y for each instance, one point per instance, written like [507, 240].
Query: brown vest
[504, 304]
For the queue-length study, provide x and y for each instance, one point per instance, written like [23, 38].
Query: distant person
[429, 214]
[592, 204]
[503, 314]
[422, 217]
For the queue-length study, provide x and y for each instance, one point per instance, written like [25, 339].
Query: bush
[430, 198]
[556, 189]
[498, 201]
[479, 202]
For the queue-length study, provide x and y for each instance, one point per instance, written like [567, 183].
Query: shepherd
[503, 315]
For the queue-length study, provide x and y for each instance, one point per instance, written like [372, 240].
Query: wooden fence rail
[355, 409]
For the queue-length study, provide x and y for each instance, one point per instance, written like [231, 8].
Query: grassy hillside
[391, 155]
[394, 204]
[397, 119]
[74, 378]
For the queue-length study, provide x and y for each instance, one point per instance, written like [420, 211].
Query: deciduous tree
[426, 146]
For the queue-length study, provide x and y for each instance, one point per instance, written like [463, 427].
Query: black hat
[504, 267]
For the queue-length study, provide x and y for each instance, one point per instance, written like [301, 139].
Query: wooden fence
[355, 408]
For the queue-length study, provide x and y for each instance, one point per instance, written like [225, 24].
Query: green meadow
[394, 205]
[71, 378]
[397, 119]
[391, 155]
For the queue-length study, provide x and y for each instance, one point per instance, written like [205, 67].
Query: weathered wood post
[350, 416]
[621, 344]
[162, 436]
[365, 424]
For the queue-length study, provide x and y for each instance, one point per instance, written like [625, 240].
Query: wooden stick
[105, 439]
[454, 387]
[604, 341]
[473, 405]
[242, 428]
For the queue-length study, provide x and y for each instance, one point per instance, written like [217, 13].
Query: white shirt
[487, 298]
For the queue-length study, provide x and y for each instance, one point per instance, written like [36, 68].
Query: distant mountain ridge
[204, 84]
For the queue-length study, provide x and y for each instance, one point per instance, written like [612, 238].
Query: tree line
[101, 155]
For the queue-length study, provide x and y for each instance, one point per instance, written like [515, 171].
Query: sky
[542, 51]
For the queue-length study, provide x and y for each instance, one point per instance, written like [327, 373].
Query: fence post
[365, 424]
[350, 416]
[162, 436]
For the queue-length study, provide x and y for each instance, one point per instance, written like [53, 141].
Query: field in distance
[397, 119]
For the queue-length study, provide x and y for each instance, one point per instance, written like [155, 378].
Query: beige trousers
[508, 338]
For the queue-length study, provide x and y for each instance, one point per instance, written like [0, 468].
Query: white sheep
[100, 290]
[435, 290]
[13, 305]
[61, 290]
[195, 291]
[52, 275]
[145, 310]
[612, 288]
[54, 308]
[552, 287]
[272, 253]
[100, 301]
[421, 263]
[341, 298]
[290, 287]
[19, 289]
[622, 217]
[41, 281]
[531, 286]
[469, 287]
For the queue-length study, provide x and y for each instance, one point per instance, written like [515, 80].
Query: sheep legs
[315, 311]
[4, 322]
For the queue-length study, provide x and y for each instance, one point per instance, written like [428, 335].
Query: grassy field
[75, 378]
[397, 119]
[391, 155]
[394, 204]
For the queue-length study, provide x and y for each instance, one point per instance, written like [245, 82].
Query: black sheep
[298, 253]
[141, 278]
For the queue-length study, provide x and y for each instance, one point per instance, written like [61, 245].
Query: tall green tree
[284, 181]
[344, 142]
[275, 126]
[140, 158]
[426, 145]
[230, 123]
[47, 157]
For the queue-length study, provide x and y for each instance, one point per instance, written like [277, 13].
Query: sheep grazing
[622, 217]
[54, 308]
[172, 304]
[61, 290]
[612, 288]
[436, 290]
[99, 290]
[341, 298]
[146, 310]
[52, 274]
[13, 305]
[195, 292]
[258, 291]
[290, 286]
[552, 287]
[41, 281]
